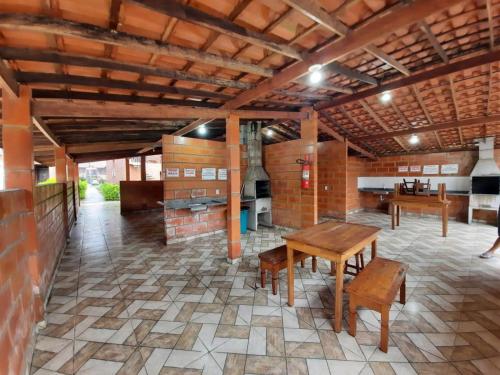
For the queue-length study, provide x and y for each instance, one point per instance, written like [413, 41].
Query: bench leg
[314, 264]
[262, 278]
[274, 282]
[402, 292]
[362, 260]
[384, 334]
[352, 316]
[302, 263]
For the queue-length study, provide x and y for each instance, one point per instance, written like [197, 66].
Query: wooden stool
[375, 288]
[274, 260]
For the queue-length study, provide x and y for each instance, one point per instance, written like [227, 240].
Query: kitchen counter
[195, 204]
[385, 191]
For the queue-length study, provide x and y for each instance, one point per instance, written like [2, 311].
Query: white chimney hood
[486, 165]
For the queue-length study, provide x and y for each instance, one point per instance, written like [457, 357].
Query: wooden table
[336, 242]
[438, 201]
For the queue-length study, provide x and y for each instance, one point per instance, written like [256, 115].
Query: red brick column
[127, 169]
[61, 163]
[17, 137]
[309, 197]
[233, 187]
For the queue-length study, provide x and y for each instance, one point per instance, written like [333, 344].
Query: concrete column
[143, 168]
[233, 188]
[61, 164]
[309, 197]
[17, 140]
[127, 169]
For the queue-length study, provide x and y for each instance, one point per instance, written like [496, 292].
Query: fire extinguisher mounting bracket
[302, 161]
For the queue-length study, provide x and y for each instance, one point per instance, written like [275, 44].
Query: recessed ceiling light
[316, 75]
[386, 97]
[269, 132]
[202, 130]
[414, 139]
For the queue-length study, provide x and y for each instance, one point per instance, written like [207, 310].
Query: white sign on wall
[208, 173]
[172, 172]
[431, 169]
[189, 172]
[449, 169]
[402, 168]
[415, 168]
[222, 174]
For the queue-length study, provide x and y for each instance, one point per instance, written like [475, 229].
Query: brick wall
[183, 152]
[289, 200]
[332, 179]
[17, 307]
[355, 168]
[140, 195]
[49, 216]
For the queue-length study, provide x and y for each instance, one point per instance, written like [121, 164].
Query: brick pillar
[76, 179]
[127, 169]
[143, 168]
[17, 140]
[309, 197]
[233, 188]
[61, 162]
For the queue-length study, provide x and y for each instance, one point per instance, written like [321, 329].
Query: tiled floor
[125, 304]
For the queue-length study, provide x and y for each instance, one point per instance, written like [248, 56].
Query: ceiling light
[414, 139]
[202, 130]
[316, 75]
[269, 132]
[386, 97]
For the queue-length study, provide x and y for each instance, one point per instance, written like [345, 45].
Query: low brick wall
[18, 302]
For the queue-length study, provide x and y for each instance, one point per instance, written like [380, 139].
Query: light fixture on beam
[202, 130]
[316, 75]
[269, 132]
[386, 97]
[414, 139]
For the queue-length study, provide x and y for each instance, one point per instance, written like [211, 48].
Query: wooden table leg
[339, 289]
[445, 220]
[374, 248]
[290, 270]
[393, 213]
[398, 214]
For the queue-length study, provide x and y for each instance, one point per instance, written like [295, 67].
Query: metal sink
[197, 207]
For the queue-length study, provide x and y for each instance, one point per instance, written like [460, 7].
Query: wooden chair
[274, 260]
[375, 288]
[357, 267]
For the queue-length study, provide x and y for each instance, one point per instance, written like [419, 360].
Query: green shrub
[110, 192]
[51, 180]
[82, 188]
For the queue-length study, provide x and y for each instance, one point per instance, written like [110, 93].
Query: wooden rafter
[196, 16]
[45, 130]
[423, 107]
[337, 68]
[414, 78]
[9, 53]
[313, 10]
[435, 127]
[50, 108]
[433, 41]
[104, 146]
[456, 107]
[118, 38]
[490, 24]
[490, 84]
[338, 137]
[25, 77]
[352, 119]
[8, 81]
[380, 122]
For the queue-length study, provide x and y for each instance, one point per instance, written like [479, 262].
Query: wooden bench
[376, 287]
[274, 260]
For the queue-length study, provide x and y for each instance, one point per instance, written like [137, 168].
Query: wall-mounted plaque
[189, 172]
[449, 169]
[431, 169]
[208, 173]
[222, 174]
[172, 172]
[402, 168]
[415, 168]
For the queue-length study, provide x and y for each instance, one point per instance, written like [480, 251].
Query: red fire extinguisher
[306, 172]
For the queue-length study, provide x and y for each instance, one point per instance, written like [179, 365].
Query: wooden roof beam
[94, 33]
[25, 54]
[84, 148]
[435, 127]
[337, 68]
[457, 110]
[433, 41]
[414, 78]
[313, 10]
[45, 130]
[193, 15]
[8, 81]
[60, 108]
[491, 27]
[423, 107]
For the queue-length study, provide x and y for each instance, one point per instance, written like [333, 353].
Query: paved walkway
[123, 303]
[93, 195]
